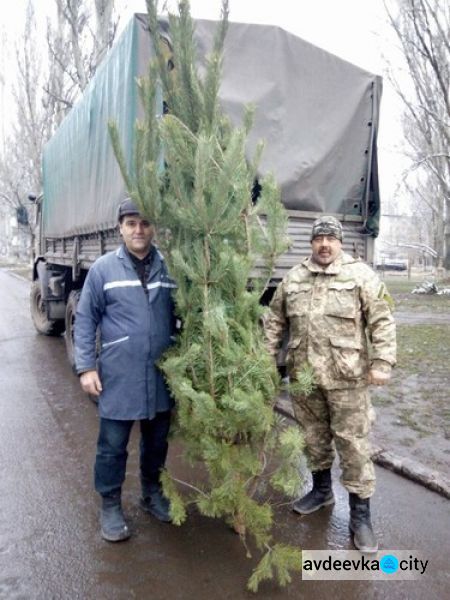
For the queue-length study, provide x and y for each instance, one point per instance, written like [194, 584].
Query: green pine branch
[191, 174]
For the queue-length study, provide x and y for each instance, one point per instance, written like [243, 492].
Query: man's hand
[377, 377]
[90, 382]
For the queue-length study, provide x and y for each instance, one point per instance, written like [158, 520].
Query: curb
[433, 480]
[411, 469]
[10, 272]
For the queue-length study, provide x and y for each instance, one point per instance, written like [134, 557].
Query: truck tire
[71, 309]
[38, 310]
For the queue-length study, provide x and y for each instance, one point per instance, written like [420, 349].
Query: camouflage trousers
[341, 419]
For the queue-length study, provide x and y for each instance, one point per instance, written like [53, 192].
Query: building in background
[15, 241]
[403, 245]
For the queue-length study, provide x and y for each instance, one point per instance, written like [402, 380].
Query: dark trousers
[111, 458]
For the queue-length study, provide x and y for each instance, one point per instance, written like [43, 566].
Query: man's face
[325, 249]
[137, 234]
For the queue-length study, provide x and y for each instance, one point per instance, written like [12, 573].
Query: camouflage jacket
[337, 317]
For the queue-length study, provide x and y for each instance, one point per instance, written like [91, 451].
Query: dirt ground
[413, 412]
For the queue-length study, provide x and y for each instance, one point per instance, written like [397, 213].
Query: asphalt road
[50, 547]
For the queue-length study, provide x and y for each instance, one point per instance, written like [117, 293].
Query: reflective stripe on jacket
[135, 329]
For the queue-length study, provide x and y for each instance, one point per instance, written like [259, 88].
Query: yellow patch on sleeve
[383, 294]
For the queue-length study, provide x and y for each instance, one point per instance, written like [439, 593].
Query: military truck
[317, 114]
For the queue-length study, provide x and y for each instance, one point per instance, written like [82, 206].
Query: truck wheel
[71, 309]
[38, 309]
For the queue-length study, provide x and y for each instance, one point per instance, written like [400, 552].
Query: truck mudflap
[51, 284]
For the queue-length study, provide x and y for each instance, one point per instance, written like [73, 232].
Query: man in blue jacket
[127, 296]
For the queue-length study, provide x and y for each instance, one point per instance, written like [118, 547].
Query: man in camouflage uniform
[339, 320]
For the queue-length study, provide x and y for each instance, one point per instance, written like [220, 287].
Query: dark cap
[327, 226]
[127, 207]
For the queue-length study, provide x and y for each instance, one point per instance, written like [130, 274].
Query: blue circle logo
[389, 564]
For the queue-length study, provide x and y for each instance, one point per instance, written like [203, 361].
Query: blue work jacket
[135, 329]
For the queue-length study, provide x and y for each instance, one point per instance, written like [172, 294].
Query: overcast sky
[355, 30]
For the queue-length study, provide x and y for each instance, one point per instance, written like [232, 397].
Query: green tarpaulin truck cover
[317, 114]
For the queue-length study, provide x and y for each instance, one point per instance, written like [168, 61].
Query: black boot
[360, 525]
[320, 495]
[154, 502]
[113, 526]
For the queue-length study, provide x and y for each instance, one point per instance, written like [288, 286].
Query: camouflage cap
[327, 225]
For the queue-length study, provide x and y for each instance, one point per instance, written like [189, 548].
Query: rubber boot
[154, 502]
[360, 525]
[112, 522]
[320, 495]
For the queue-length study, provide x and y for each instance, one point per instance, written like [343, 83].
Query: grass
[401, 285]
[423, 348]
[401, 288]
[414, 406]
[422, 302]
[406, 418]
[379, 400]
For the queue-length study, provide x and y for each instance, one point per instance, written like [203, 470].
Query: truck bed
[81, 251]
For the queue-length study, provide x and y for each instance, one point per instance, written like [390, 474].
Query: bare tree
[427, 208]
[76, 48]
[20, 171]
[422, 28]
[58, 90]
[105, 29]
[45, 90]
[19, 165]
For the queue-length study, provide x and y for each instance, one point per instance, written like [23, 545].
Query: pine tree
[192, 178]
